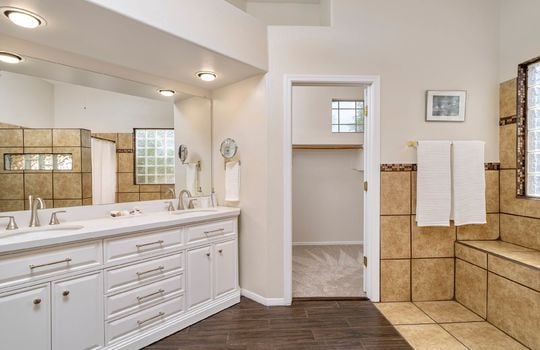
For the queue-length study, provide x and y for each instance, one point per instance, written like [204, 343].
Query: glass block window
[154, 156]
[38, 162]
[532, 110]
[347, 116]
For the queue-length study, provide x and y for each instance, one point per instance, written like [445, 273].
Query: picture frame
[445, 105]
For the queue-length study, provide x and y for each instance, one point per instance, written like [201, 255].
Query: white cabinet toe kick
[126, 291]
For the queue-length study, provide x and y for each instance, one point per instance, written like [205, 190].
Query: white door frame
[371, 175]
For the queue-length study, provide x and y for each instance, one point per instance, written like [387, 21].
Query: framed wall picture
[445, 106]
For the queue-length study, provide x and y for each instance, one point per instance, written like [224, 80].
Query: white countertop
[68, 232]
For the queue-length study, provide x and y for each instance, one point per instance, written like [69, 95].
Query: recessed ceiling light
[167, 93]
[11, 58]
[23, 18]
[207, 76]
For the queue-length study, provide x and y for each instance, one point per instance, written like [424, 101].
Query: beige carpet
[328, 271]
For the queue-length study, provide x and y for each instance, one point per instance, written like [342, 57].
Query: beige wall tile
[11, 137]
[510, 204]
[86, 139]
[125, 162]
[7, 150]
[396, 280]
[86, 160]
[482, 336]
[128, 197]
[515, 310]
[508, 98]
[521, 230]
[447, 311]
[87, 201]
[395, 237]
[431, 242]
[403, 313]
[37, 137]
[432, 279]
[151, 196]
[480, 232]
[125, 183]
[38, 184]
[125, 141]
[429, 337]
[395, 193]
[107, 136]
[66, 203]
[492, 191]
[471, 287]
[67, 186]
[11, 186]
[507, 146]
[150, 188]
[9, 126]
[11, 205]
[75, 153]
[87, 185]
[526, 275]
[472, 255]
[66, 137]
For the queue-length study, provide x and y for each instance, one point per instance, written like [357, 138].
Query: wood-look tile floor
[313, 325]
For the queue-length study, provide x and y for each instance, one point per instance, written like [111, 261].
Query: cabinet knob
[65, 293]
[220, 251]
[37, 301]
[207, 254]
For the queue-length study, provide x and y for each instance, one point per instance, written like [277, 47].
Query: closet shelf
[328, 147]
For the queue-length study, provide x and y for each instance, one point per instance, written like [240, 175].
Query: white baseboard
[262, 300]
[330, 243]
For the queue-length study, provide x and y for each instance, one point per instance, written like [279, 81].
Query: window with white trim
[347, 116]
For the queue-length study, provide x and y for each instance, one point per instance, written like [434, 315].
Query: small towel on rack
[469, 183]
[191, 177]
[434, 190]
[232, 181]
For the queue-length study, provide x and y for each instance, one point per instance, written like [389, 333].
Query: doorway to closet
[327, 190]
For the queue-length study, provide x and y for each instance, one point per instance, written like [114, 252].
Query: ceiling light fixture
[167, 93]
[10, 58]
[207, 76]
[23, 18]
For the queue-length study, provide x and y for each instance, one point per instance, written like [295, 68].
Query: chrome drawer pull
[214, 231]
[140, 323]
[160, 268]
[161, 291]
[147, 244]
[66, 260]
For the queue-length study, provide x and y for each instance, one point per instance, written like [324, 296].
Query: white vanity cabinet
[121, 291]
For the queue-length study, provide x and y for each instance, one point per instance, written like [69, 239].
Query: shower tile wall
[57, 188]
[417, 263]
[127, 190]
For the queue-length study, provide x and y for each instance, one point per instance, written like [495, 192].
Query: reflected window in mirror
[154, 156]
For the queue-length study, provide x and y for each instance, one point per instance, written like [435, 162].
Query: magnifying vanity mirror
[74, 137]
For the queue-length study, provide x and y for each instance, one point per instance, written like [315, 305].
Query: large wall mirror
[74, 137]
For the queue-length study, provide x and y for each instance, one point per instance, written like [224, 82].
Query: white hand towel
[433, 185]
[191, 177]
[469, 183]
[232, 181]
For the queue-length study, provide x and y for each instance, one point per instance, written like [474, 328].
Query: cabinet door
[77, 314]
[25, 319]
[226, 272]
[199, 275]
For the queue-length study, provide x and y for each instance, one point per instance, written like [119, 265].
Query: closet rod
[327, 147]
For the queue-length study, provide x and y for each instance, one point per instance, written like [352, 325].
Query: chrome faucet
[171, 191]
[181, 200]
[35, 204]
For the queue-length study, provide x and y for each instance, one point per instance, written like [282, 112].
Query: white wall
[104, 111]
[26, 101]
[519, 35]
[327, 196]
[240, 112]
[193, 128]
[312, 114]
[275, 13]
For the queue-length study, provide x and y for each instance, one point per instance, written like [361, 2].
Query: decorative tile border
[385, 168]
[124, 151]
[508, 120]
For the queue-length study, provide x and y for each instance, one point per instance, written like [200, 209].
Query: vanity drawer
[141, 321]
[210, 230]
[122, 248]
[31, 265]
[142, 297]
[142, 273]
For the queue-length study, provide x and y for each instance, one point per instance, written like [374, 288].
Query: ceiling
[80, 28]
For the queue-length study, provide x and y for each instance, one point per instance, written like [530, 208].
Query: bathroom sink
[194, 211]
